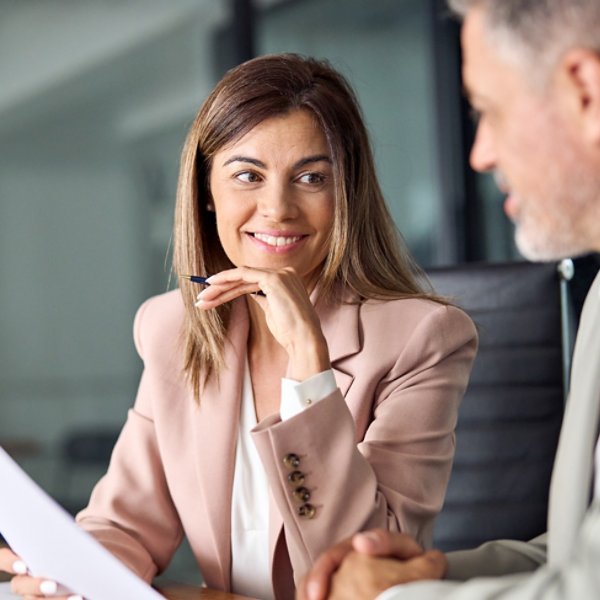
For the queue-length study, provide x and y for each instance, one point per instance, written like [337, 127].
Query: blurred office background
[95, 100]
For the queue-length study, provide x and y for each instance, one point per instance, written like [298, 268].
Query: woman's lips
[276, 243]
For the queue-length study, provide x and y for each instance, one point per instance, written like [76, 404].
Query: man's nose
[483, 157]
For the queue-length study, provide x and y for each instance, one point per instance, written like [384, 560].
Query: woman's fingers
[228, 285]
[31, 588]
[215, 295]
[11, 563]
[244, 277]
[40, 587]
[233, 283]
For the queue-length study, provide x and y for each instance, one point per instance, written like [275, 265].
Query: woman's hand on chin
[289, 314]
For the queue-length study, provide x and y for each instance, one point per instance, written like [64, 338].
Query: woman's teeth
[277, 240]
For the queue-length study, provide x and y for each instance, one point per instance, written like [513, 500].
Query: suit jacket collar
[340, 325]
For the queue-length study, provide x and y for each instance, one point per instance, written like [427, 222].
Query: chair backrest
[89, 446]
[511, 414]
[85, 455]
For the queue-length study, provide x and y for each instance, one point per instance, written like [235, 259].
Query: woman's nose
[277, 202]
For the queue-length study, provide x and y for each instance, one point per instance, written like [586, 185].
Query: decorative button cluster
[300, 493]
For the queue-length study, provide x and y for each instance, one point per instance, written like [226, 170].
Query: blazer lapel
[339, 323]
[217, 425]
[573, 468]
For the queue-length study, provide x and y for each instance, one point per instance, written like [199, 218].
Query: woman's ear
[210, 205]
[579, 79]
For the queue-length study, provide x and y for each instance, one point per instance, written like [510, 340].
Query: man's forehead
[473, 36]
[472, 40]
[483, 67]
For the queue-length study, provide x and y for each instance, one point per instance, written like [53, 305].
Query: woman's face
[273, 195]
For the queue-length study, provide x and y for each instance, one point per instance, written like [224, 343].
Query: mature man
[532, 72]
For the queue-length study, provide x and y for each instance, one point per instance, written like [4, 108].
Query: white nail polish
[48, 587]
[19, 567]
[75, 598]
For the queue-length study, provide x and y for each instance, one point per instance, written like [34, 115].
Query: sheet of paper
[53, 546]
[5, 592]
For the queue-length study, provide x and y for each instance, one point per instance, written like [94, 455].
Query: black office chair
[84, 457]
[511, 414]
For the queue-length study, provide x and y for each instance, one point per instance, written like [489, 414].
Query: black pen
[202, 280]
[196, 278]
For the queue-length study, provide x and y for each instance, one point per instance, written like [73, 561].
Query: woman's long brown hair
[366, 255]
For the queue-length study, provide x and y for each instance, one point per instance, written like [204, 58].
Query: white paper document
[53, 546]
[5, 592]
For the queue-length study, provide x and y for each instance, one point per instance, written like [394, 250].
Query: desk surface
[188, 592]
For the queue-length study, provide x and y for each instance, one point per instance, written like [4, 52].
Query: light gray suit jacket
[565, 562]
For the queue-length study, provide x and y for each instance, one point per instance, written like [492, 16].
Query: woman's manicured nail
[19, 567]
[48, 588]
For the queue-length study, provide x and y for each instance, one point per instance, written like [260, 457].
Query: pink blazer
[375, 453]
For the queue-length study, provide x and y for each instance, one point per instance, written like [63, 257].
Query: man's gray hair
[538, 30]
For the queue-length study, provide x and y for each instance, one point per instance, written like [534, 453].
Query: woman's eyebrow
[258, 163]
[245, 159]
[312, 159]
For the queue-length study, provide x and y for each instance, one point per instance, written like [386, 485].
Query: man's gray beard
[551, 249]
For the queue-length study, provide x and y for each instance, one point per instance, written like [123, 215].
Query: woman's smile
[276, 242]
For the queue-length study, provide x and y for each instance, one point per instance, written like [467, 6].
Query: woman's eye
[248, 177]
[312, 178]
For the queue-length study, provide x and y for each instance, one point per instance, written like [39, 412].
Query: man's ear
[579, 81]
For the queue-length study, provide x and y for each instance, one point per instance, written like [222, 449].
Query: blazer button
[291, 461]
[301, 494]
[296, 478]
[307, 511]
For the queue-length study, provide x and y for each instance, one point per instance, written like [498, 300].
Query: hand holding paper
[54, 547]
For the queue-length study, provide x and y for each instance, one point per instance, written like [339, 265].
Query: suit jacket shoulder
[158, 325]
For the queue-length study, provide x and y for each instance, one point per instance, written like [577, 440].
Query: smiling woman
[311, 389]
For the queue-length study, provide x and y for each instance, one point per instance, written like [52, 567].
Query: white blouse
[250, 564]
